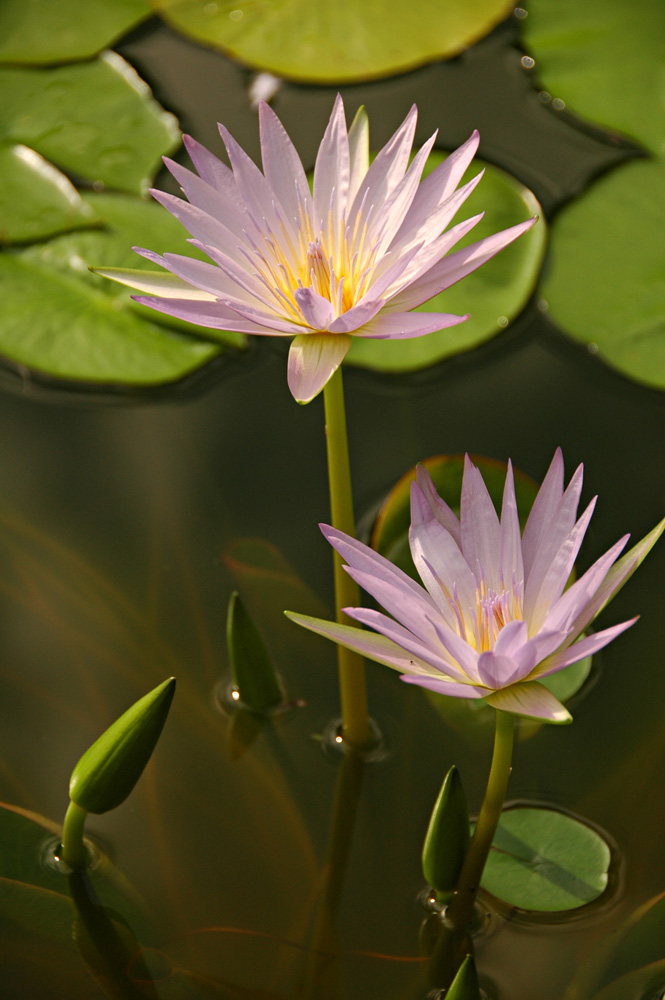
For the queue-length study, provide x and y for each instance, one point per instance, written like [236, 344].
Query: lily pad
[95, 120]
[545, 860]
[53, 323]
[42, 31]
[337, 42]
[391, 527]
[494, 294]
[605, 59]
[605, 284]
[36, 200]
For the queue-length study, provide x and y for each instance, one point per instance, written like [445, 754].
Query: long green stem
[352, 687]
[72, 848]
[460, 911]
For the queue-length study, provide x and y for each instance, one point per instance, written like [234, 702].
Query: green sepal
[252, 669]
[465, 984]
[109, 769]
[448, 835]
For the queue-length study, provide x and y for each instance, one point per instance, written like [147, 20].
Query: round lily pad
[338, 42]
[605, 281]
[96, 120]
[44, 31]
[494, 294]
[545, 860]
[605, 59]
[36, 200]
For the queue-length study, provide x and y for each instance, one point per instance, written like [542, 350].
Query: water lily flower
[494, 616]
[350, 258]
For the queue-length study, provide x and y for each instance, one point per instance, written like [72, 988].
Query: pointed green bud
[251, 667]
[109, 769]
[465, 984]
[448, 835]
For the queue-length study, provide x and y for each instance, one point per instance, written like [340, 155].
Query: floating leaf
[391, 527]
[251, 666]
[43, 31]
[605, 284]
[335, 43]
[605, 59]
[36, 200]
[58, 325]
[544, 860]
[494, 294]
[109, 769]
[447, 838]
[95, 120]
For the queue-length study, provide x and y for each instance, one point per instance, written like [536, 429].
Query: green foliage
[46, 31]
[338, 42]
[494, 294]
[465, 984]
[605, 284]
[251, 666]
[545, 860]
[109, 769]
[447, 837]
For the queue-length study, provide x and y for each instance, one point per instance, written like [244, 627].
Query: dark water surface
[123, 528]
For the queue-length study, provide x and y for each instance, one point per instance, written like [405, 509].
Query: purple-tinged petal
[228, 211]
[531, 699]
[407, 640]
[480, 527]
[376, 647]
[439, 561]
[331, 178]
[358, 151]
[511, 638]
[400, 326]
[270, 320]
[213, 315]
[451, 688]
[410, 610]
[386, 276]
[316, 310]
[205, 276]
[543, 509]
[213, 171]
[426, 257]
[617, 576]
[202, 226]
[388, 168]
[313, 359]
[282, 165]
[459, 650]
[457, 265]
[496, 671]
[440, 508]
[386, 224]
[587, 646]
[551, 571]
[161, 283]
[572, 602]
[560, 522]
[438, 221]
[511, 568]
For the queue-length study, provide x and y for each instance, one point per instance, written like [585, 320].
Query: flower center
[480, 625]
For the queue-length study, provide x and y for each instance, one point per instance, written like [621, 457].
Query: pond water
[125, 524]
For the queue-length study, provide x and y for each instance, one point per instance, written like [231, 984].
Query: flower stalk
[72, 848]
[351, 667]
[460, 911]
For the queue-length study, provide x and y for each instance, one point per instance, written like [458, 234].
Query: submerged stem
[460, 911]
[72, 848]
[351, 667]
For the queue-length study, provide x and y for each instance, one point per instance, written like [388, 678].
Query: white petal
[313, 359]
[531, 699]
[161, 283]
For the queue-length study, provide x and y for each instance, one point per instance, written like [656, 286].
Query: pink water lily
[350, 258]
[494, 616]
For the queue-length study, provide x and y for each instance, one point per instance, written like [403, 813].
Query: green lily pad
[544, 860]
[494, 294]
[36, 200]
[56, 324]
[605, 59]
[391, 527]
[43, 31]
[96, 120]
[336, 42]
[605, 284]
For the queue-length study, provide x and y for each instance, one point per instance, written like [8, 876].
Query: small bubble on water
[527, 62]
[544, 97]
[592, 348]
[542, 305]
[502, 321]
[210, 9]
[520, 13]
[236, 15]
[558, 104]
[98, 185]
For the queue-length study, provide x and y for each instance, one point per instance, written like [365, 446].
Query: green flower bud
[252, 669]
[448, 835]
